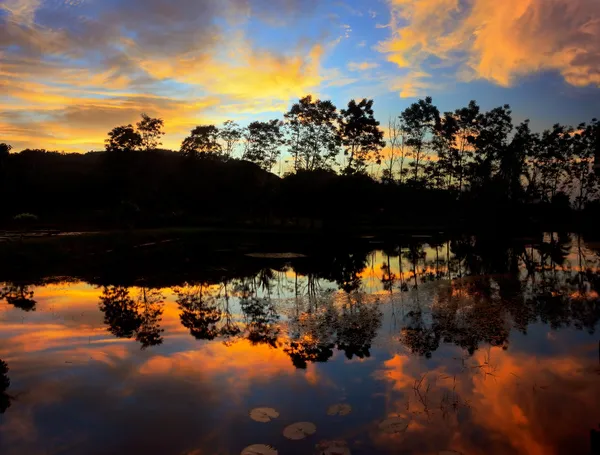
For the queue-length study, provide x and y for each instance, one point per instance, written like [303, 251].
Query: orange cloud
[498, 40]
[181, 66]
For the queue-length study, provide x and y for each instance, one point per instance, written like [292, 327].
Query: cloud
[498, 40]
[411, 85]
[75, 67]
[362, 66]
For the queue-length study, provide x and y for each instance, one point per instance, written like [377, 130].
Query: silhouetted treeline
[333, 166]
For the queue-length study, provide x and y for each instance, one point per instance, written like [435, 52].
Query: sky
[71, 70]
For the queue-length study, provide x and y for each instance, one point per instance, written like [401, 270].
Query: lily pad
[342, 409]
[299, 430]
[259, 449]
[263, 414]
[393, 425]
[333, 448]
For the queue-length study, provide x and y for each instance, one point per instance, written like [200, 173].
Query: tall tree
[490, 143]
[396, 149]
[553, 160]
[361, 136]
[4, 152]
[123, 139]
[582, 180]
[230, 134]
[151, 131]
[263, 143]
[313, 137]
[203, 142]
[421, 120]
[466, 121]
[512, 167]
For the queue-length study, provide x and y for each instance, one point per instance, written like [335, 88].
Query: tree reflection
[4, 385]
[482, 309]
[357, 327]
[151, 302]
[129, 317]
[261, 317]
[199, 312]
[18, 295]
[312, 333]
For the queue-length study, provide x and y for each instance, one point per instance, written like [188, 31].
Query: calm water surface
[430, 348]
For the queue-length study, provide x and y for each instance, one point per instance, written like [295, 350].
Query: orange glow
[497, 41]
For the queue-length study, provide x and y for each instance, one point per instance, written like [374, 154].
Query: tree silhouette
[420, 119]
[396, 150]
[513, 162]
[203, 142]
[4, 152]
[150, 130]
[123, 139]
[263, 143]
[18, 295]
[582, 180]
[230, 134]
[312, 134]
[361, 137]
[4, 385]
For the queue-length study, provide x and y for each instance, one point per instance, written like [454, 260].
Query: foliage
[361, 136]
[123, 139]
[313, 136]
[421, 119]
[203, 143]
[263, 143]
[150, 130]
[230, 134]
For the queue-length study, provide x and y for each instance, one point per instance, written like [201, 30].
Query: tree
[421, 120]
[4, 385]
[150, 130]
[466, 133]
[490, 143]
[4, 151]
[123, 139]
[263, 143]
[230, 134]
[553, 160]
[582, 179]
[203, 142]
[513, 161]
[360, 135]
[396, 143]
[313, 137]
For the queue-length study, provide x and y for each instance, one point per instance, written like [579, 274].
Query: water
[471, 346]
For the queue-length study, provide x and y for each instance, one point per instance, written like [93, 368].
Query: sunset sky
[70, 70]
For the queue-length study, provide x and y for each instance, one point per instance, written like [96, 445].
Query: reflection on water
[470, 345]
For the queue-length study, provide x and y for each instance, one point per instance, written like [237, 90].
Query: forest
[318, 166]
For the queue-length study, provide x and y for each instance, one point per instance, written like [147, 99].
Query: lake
[426, 345]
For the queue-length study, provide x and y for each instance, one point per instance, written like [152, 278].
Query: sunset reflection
[429, 352]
